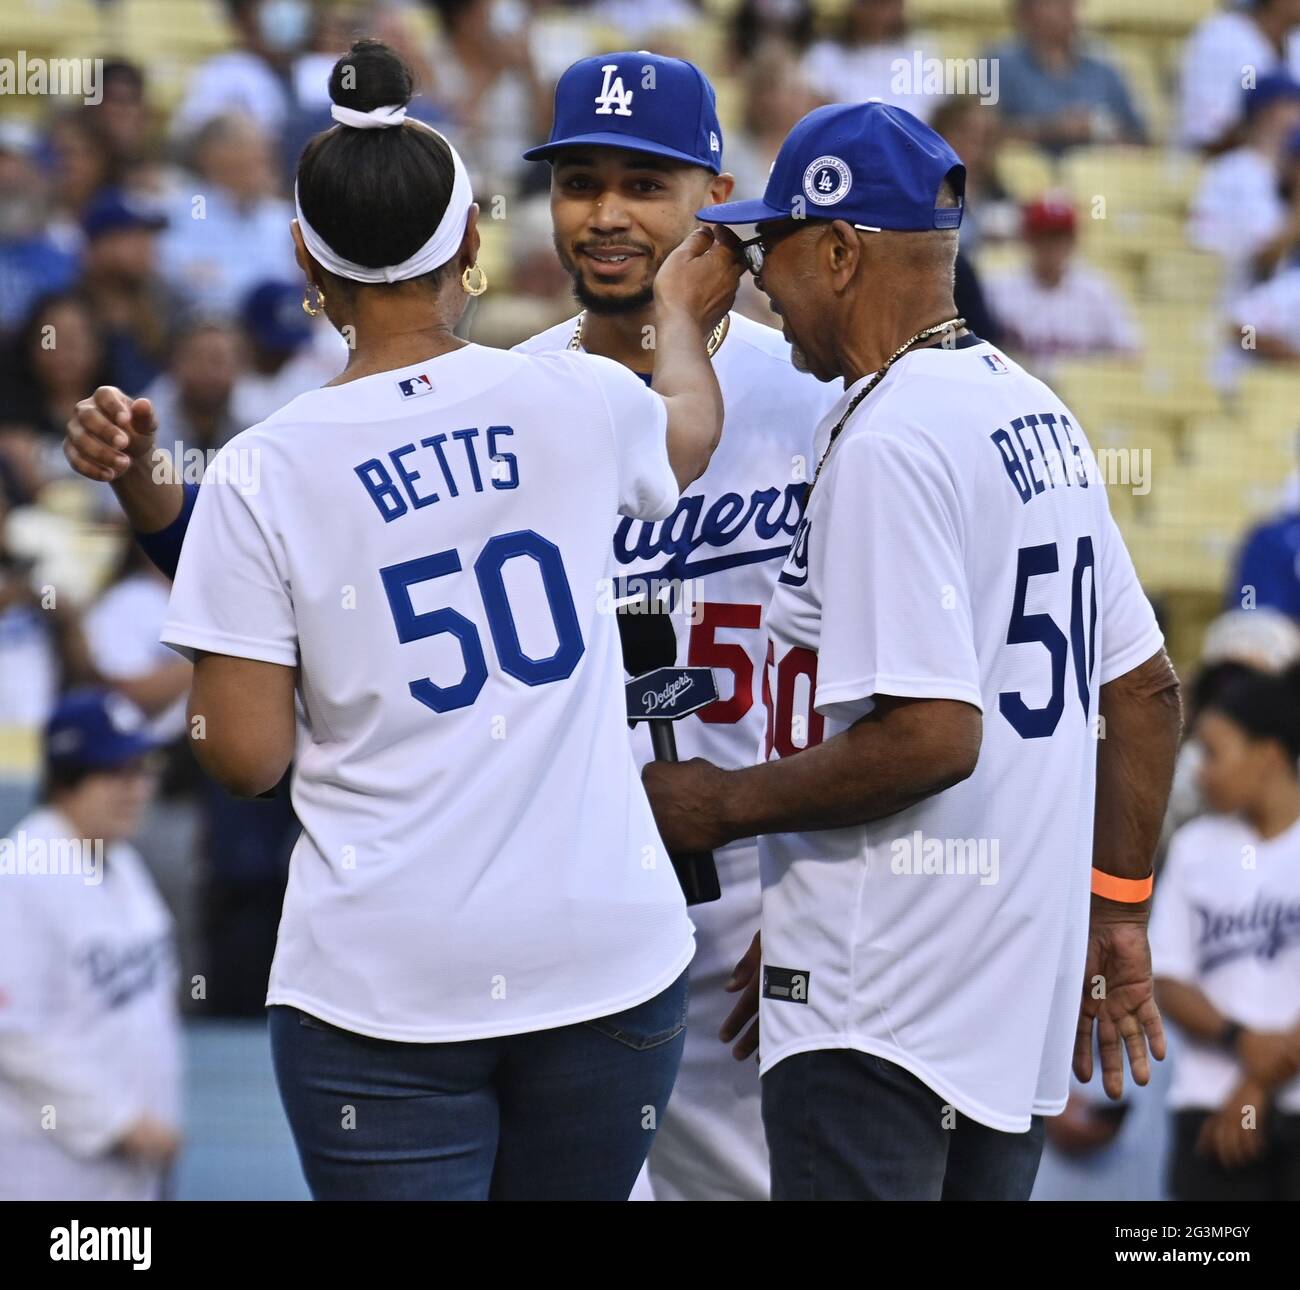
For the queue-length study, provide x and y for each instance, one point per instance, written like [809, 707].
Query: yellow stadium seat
[1026, 172]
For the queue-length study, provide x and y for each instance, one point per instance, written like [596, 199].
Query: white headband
[446, 238]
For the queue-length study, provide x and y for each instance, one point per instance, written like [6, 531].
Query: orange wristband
[1128, 891]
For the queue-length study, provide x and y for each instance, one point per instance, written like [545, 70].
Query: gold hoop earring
[313, 311]
[478, 281]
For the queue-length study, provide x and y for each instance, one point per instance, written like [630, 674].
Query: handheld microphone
[660, 693]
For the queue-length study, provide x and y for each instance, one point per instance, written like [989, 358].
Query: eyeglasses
[755, 249]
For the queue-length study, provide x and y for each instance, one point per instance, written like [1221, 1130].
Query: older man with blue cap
[635, 150]
[956, 623]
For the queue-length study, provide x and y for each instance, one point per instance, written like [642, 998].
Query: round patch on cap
[827, 181]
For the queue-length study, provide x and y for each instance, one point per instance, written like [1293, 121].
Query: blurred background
[1133, 222]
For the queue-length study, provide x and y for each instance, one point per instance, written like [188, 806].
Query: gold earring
[479, 280]
[307, 306]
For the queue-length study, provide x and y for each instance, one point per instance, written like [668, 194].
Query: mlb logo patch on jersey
[996, 364]
[787, 984]
[414, 386]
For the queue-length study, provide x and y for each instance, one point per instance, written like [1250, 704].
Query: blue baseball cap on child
[877, 166]
[636, 100]
[97, 729]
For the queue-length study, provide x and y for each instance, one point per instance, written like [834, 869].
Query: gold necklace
[953, 324]
[716, 339]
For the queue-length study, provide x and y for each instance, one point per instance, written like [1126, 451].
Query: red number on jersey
[780, 714]
[704, 650]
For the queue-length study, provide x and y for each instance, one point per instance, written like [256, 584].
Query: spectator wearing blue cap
[1241, 211]
[89, 1037]
[1227, 50]
[1053, 89]
[919, 1004]
[287, 353]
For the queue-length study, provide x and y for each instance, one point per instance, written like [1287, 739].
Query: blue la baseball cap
[874, 165]
[97, 729]
[636, 100]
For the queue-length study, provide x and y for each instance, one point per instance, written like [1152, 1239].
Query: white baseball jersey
[1226, 919]
[721, 547]
[89, 1035]
[718, 554]
[427, 546]
[958, 546]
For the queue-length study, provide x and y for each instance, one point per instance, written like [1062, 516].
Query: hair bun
[370, 75]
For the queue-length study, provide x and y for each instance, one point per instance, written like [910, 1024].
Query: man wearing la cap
[957, 612]
[89, 1037]
[635, 149]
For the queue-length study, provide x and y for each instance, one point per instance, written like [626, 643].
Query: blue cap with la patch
[636, 100]
[874, 165]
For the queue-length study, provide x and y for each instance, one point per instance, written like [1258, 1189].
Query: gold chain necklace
[719, 334]
[953, 324]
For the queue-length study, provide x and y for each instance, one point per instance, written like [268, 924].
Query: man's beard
[611, 305]
[597, 304]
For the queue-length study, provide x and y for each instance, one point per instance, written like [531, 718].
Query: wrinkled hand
[746, 978]
[701, 276]
[1225, 1137]
[1126, 1016]
[685, 797]
[107, 433]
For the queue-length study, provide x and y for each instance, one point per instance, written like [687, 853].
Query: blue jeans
[564, 1114]
[844, 1125]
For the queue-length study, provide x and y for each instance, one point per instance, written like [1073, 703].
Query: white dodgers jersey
[427, 546]
[718, 553]
[958, 546]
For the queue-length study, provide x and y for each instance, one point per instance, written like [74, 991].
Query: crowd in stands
[144, 243]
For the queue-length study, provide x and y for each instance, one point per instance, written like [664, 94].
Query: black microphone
[661, 693]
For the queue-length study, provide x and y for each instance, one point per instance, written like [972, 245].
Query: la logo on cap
[613, 99]
[827, 181]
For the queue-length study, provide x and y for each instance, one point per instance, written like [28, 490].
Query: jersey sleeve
[638, 422]
[886, 552]
[1171, 932]
[1129, 632]
[229, 597]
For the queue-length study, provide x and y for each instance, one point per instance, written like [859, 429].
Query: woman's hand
[108, 433]
[700, 277]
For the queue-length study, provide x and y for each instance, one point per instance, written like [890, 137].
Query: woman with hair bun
[478, 988]
[1225, 945]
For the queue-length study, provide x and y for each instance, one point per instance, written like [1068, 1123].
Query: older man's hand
[686, 798]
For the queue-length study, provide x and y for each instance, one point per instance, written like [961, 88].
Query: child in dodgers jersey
[958, 545]
[455, 877]
[726, 539]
